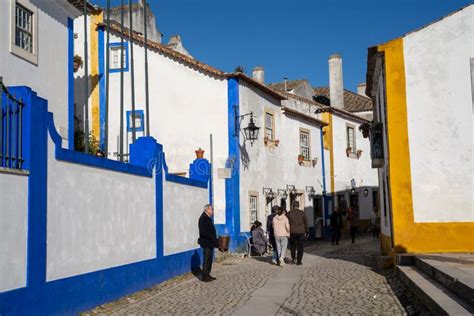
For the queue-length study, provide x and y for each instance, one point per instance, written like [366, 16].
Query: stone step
[405, 259]
[439, 300]
[458, 277]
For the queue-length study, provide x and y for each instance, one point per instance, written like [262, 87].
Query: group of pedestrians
[283, 227]
[337, 224]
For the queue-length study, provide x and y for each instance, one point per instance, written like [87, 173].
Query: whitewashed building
[422, 87]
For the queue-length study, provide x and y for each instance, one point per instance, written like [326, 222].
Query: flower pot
[300, 159]
[277, 142]
[348, 151]
[314, 161]
[224, 243]
[199, 153]
[359, 153]
[266, 140]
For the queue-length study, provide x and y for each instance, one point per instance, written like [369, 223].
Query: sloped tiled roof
[353, 102]
[79, 4]
[290, 85]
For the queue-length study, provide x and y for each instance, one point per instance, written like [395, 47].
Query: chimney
[361, 89]
[258, 74]
[336, 85]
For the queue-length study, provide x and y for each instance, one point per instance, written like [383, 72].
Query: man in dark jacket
[298, 232]
[336, 225]
[271, 235]
[208, 241]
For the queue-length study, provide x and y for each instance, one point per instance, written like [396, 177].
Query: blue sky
[292, 38]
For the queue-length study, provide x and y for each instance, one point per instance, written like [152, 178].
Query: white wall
[97, 219]
[182, 207]
[13, 231]
[49, 77]
[186, 106]
[278, 166]
[440, 118]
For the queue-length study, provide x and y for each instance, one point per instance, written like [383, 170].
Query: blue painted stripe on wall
[101, 88]
[70, 85]
[186, 181]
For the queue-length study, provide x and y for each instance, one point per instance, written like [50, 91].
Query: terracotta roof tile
[290, 85]
[353, 102]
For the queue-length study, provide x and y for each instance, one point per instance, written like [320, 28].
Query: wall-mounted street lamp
[366, 192]
[353, 191]
[251, 131]
[311, 192]
[269, 194]
[291, 188]
[282, 194]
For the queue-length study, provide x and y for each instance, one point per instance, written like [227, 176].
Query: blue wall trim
[79, 293]
[70, 82]
[232, 185]
[126, 63]
[186, 181]
[101, 88]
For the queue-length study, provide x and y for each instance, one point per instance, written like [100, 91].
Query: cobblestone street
[333, 280]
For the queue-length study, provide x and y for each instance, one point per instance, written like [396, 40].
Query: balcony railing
[11, 130]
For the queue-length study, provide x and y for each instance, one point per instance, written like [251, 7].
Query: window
[269, 126]
[138, 117]
[351, 139]
[23, 32]
[305, 149]
[115, 58]
[24, 28]
[253, 208]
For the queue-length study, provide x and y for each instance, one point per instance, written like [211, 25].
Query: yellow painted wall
[96, 18]
[408, 235]
[328, 145]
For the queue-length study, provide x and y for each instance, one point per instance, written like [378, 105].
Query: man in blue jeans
[208, 241]
[299, 232]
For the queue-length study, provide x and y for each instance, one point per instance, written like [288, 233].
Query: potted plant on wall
[348, 151]
[359, 153]
[314, 161]
[266, 139]
[300, 159]
[277, 142]
[199, 153]
[365, 129]
[77, 62]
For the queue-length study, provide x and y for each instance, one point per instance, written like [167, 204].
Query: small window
[115, 58]
[269, 126]
[305, 149]
[351, 139]
[24, 28]
[138, 118]
[253, 208]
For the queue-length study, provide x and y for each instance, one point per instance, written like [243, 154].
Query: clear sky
[292, 38]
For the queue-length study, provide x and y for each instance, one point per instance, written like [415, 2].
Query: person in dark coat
[208, 241]
[336, 225]
[271, 233]
[259, 240]
[299, 232]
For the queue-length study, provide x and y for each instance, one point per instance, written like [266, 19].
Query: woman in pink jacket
[281, 228]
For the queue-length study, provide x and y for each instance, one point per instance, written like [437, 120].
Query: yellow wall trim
[96, 18]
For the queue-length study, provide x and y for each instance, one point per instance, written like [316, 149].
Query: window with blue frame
[114, 56]
[138, 118]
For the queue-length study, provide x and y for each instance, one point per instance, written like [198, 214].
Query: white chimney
[258, 74]
[336, 85]
[361, 89]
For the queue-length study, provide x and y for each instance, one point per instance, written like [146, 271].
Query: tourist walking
[208, 241]
[336, 225]
[353, 221]
[271, 235]
[298, 232]
[375, 223]
[281, 228]
[259, 240]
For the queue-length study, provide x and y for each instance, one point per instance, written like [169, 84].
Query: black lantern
[283, 194]
[268, 192]
[311, 192]
[291, 188]
[251, 131]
